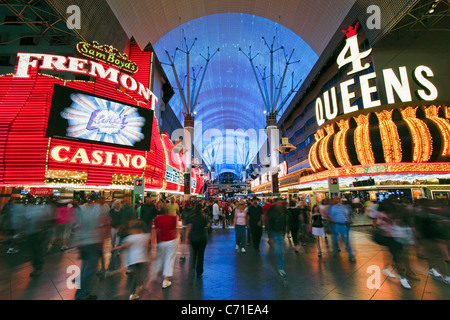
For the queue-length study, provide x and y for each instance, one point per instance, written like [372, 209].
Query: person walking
[197, 226]
[340, 216]
[255, 217]
[266, 208]
[433, 226]
[13, 218]
[116, 223]
[39, 219]
[89, 240]
[185, 214]
[65, 218]
[304, 221]
[240, 225]
[387, 221]
[148, 213]
[167, 241]
[293, 213]
[136, 245]
[216, 213]
[276, 225]
[105, 231]
[173, 208]
[323, 208]
[317, 223]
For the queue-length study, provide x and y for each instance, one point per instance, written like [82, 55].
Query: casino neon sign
[51, 62]
[97, 157]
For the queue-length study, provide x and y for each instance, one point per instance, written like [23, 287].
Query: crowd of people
[399, 226]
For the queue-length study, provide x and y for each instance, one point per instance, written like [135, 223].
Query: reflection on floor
[231, 275]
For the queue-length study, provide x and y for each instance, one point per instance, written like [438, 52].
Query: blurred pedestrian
[340, 218]
[148, 213]
[167, 241]
[197, 234]
[89, 238]
[255, 222]
[294, 215]
[317, 224]
[434, 232]
[304, 221]
[266, 208]
[13, 215]
[39, 219]
[185, 214]
[276, 224]
[105, 231]
[371, 210]
[240, 225]
[65, 219]
[324, 207]
[385, 235]
[136, 245]
[116, 223]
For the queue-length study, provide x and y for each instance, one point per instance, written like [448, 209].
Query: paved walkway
[230, 275]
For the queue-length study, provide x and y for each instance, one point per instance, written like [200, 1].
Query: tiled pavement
[230, 275]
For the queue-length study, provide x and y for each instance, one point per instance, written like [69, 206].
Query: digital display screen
[81, 116]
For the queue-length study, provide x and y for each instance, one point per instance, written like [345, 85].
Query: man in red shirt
[267, 206]
[167, 241]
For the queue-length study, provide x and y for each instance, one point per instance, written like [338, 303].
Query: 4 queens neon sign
[327, 107]
[28, 61]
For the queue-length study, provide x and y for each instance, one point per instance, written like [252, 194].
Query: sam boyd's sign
[108, 55]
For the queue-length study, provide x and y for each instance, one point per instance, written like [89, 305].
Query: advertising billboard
[85, 117]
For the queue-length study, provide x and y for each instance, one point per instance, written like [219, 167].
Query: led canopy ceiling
[230, 113]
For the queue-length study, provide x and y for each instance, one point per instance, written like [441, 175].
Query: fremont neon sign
[327, 105]
[51, 62]
[97, 157]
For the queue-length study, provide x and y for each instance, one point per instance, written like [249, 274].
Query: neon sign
[327, 107]
[97, 157]
[107, 54]
[81, 66]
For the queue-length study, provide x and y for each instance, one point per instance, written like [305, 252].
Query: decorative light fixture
[421, 137]
[362, 140]
[390, 138]
[340, 143]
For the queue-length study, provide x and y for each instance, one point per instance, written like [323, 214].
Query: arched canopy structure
[230, 97]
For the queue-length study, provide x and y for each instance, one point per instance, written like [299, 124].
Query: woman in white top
[240, 223]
